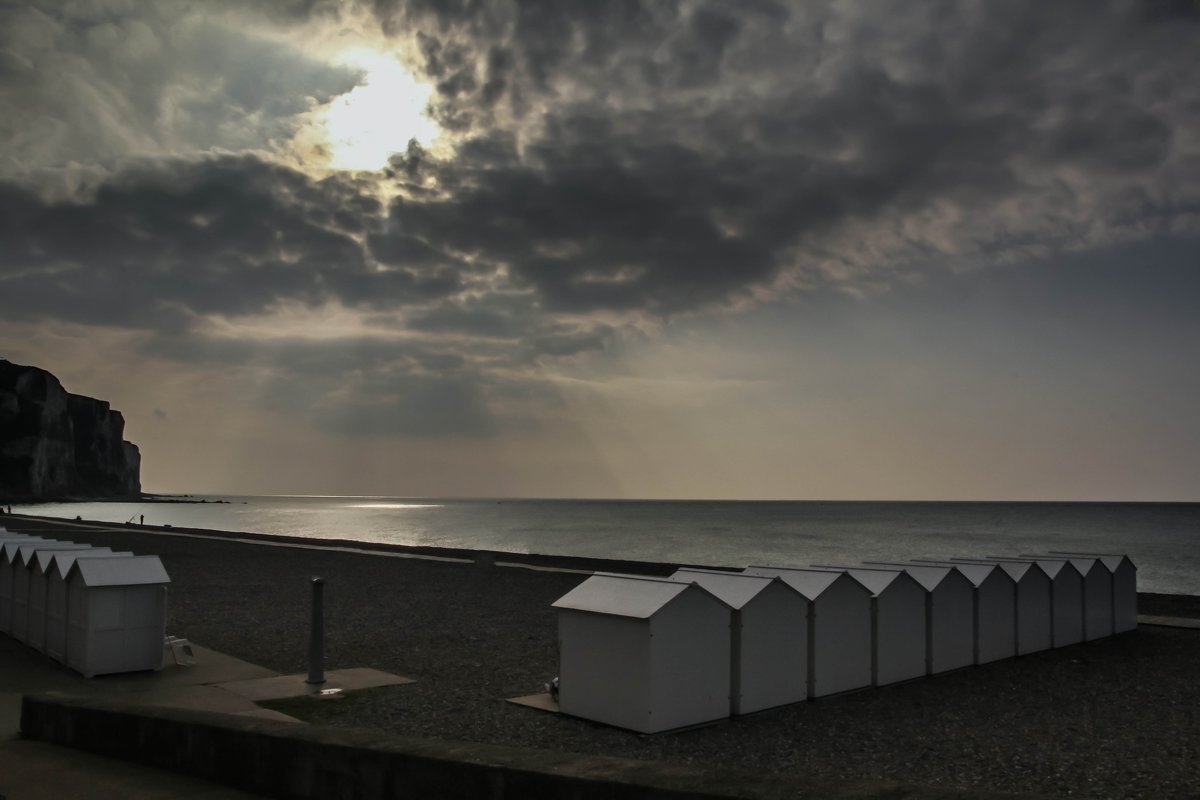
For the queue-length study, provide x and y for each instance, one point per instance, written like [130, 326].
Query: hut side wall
[19, 625]
[604, 668]
[1124, 597]
[995, 618]
[7, 570]
[38, 587]
[1097, 603]
[56, 618]
[1067, 599]
[900, 632]
[951, 632]
[124, 631]
[690, 659]
[773, 655]
[841, 639]
[1034, 612]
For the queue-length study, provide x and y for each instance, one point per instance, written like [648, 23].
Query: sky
[848, 249]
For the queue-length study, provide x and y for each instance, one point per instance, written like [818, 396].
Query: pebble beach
[1119, 717]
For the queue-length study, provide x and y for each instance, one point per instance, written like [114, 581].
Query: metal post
[316, 635]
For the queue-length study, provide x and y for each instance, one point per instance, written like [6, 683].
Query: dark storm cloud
[612, 162]
[673, 155]
[181, 240]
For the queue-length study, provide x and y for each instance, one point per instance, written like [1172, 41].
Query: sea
[1163, 539]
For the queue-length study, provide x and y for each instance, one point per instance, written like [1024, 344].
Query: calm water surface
[1162, 538]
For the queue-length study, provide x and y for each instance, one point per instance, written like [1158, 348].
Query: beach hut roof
[975, 573]
[809, 582]
[1051, 565]
[8, 552]
[1084, 564]
[134, 571]
[27, 551]
[44, 557]
[632, 596]
[930, 576]
[876, 579]
[735, 589]
[61, 560]
[1111, 560]
[1015, 569]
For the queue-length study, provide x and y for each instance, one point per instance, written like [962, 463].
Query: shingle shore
[1115, 718]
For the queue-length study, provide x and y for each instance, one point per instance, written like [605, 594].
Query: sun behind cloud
[379, 117]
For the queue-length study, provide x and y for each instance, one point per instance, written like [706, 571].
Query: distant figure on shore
[141, 519]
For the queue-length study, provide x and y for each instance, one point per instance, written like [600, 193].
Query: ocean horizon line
[564, 499]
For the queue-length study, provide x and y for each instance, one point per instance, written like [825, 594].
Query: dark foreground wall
[56, 444]
[288, 760]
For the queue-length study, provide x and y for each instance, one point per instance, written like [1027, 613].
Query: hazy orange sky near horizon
[809, 250]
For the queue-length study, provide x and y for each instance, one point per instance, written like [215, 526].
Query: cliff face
[56, 444]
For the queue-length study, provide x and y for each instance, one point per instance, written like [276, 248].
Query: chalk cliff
[56, 444]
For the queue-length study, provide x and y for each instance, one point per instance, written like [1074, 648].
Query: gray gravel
[1114, 718]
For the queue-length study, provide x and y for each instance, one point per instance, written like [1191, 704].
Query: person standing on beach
[141, 519]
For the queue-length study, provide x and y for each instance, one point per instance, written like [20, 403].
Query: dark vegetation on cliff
[54, 444]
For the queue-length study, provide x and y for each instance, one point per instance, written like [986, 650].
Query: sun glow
[379, 117]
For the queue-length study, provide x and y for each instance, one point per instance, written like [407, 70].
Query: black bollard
[316, 636]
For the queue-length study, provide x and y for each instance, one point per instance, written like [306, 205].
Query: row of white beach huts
[96, 611]
[655, 654]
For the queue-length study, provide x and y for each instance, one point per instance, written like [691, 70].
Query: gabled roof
[1051, 565]
[1112, 561]
[1017, 570]
[1084, 564]
[977, 574]
[622, 595]
[876, 579]
[44, 557]
[27, 551]
[8, 550]
[119, 571]
[930, 576]
[811, 583]
[63, 559]
[735, 589]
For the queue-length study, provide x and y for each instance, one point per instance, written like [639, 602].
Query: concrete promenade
[215, 682]
[31, 770]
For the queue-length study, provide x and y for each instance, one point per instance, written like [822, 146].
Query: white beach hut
[39, 582]
[56, 596]
[1123, 573]
[116, 614]
[769, 637]
[1066, 597]
[1097, 594]
[644, 654]
[949, 612]
[995, 608]
[839, 627]
[22, 569]
[8, 554]
[898, 626]
[1033, 608]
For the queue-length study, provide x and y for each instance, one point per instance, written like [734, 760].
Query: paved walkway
[216, 682]
[32, 770]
